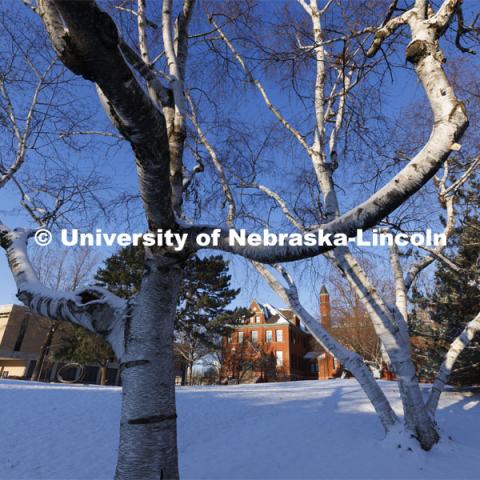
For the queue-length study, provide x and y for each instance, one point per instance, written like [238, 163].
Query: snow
[310, 429]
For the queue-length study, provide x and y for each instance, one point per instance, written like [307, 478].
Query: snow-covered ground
[279, 430]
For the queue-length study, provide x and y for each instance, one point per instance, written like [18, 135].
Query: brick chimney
[325, 307]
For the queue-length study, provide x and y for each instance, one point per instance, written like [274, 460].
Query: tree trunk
[393, 333]
[103, 374]
[456, 348]
[190, 373]
[43, 352]
[354, 364]
[417, 418]
[148, 429]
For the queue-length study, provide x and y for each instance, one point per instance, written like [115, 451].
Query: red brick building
[273, 344]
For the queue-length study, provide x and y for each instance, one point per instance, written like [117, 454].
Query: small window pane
[279, 357]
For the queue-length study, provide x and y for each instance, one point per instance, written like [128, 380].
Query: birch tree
[150, 107]
[426, 26]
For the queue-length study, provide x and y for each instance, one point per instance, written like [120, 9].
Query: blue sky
[118, 164]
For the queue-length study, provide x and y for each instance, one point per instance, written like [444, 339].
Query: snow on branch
[93, 308]
[449, 123]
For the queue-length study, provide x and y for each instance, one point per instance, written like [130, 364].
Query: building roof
[273, 314]
[279, 315]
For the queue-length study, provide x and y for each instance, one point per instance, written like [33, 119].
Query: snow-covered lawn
[279, 430]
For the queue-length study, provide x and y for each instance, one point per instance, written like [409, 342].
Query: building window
[314, 367]
[240, 337]
[268, 336]
[254, 336]
[257, 319]
[21, 335]
[279, 358]
[279, 335]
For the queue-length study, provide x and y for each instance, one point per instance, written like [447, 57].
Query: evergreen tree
[122, 273]
[203, 316]
[84, 347]
[455, 301]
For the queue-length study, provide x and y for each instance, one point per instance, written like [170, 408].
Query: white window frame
[279, 335]
[279, 358]
[267, 339]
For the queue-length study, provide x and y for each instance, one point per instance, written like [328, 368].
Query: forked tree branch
[86, 40]
[93, 308]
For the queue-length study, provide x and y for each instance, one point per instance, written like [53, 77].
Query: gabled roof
[271, 314]
[278, 315]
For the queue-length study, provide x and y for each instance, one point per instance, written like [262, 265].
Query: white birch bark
[88, 43]
[350, 360]
[456, 348]
[148, 435]
[450, 122]
[93, 308]
[22, 137]
[392, 332]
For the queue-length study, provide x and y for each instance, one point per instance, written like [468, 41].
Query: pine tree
[203, 316]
